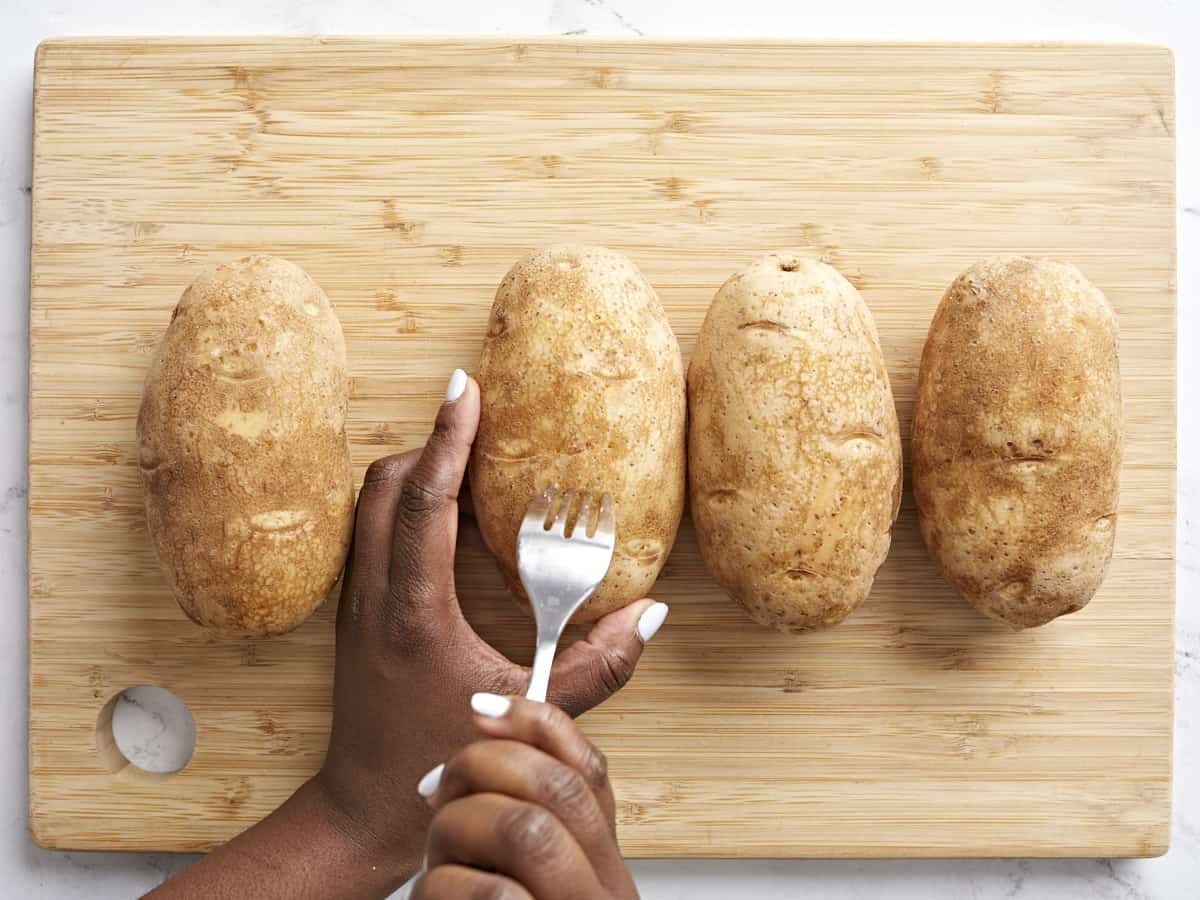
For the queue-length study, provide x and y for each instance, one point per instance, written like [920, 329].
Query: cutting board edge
[40, 829]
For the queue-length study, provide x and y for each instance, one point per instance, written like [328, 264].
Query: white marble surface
[26, 871]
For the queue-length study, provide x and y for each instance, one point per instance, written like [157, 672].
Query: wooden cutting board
[407, 176]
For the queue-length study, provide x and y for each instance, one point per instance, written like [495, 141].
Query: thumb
[427, 507]
[592, 670]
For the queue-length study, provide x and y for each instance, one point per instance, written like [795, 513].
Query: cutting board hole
[145, 732]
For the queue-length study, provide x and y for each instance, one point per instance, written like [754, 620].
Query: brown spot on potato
[767, 325]
[148, 457]
[643, 549]
[722, 495]
[497, 325]
[800, 570]
[860, 435]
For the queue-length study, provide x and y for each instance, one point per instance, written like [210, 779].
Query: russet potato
[1016, 440]
[793, 445]
[242, 447]
[582, 385]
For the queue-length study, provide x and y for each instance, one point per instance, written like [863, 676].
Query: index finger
[549, 729]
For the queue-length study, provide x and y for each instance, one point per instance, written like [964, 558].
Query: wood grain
[407, 176]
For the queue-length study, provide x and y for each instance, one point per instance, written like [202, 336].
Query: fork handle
[543, 660]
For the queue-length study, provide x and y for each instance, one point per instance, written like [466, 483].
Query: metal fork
[559, 570]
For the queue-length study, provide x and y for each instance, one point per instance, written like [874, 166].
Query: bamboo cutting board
[407, 176]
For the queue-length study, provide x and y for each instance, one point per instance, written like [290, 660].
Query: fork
[560, 570]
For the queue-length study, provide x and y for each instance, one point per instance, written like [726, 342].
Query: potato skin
[1017, 438]
[242, 447]
[794, 464]
[582, 385]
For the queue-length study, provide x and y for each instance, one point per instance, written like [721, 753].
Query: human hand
[407, 659]
[525, 814]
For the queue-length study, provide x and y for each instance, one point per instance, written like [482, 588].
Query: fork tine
[606, 523]
[583, 524]
[539, 509]
[559, 525]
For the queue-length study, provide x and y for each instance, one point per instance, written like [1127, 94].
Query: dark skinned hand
[525, 814]
[407, 659]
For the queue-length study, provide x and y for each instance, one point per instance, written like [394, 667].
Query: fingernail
[458, 384]
[651, 621]
[491, 705]
[428, 785]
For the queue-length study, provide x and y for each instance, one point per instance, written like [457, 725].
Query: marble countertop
[27, 871]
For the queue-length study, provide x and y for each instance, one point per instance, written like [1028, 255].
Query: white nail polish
[458, 384]
[491, 705]
[428, 785]
[652, 620]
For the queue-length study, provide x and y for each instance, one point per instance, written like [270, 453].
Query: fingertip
[458, 384]
[651, 620]
[460, 410]
[430, 781]
[623, 621]
[460, 387]
[490, 706]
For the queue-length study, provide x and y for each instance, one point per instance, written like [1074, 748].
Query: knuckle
[383, 471]
[531, 831]
[418, 500]
[566, 790]
[547, 718]
[613, 669]
[594, 767]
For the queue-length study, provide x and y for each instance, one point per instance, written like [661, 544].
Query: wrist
[391, 855]
[373, 823]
